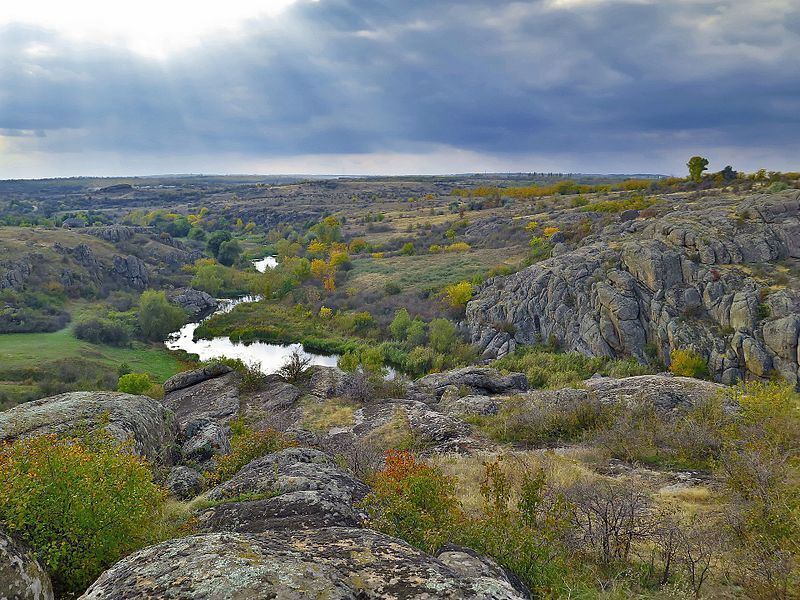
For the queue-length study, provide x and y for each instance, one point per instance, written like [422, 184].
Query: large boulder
[21, 575]
[142, 420]
[666, 393]
[196, 303]
[296, 487]
[130, 271]
[332, 563]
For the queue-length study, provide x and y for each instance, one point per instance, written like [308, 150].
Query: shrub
[392, 288]
[537, 421]
[442, 335]
[550, 232]
[458, 294]
[777, 186]
[81, 504]
[408, 249]
[540, 248]
[523, 536]
[102, 331]
[688, 363]
[457, 247]
[134, 383]
[400, 324]
[253, 378]
[413, 501]
[247, 444]
[295, 369]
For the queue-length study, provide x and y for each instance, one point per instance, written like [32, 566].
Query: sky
[90, 87]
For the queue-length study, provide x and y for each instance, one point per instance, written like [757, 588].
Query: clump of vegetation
[247, 444]
[536, 421]
[550, 369]
[688, 363]
[252, 377]
[412, 500]
[295, 368]
[81, 503]
[102, 331]
[139, 383]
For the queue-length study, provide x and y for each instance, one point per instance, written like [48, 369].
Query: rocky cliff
[714, 275]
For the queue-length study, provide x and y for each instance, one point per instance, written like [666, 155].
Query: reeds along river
[270, 357]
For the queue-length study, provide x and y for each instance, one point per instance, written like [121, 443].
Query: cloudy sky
[91, 87]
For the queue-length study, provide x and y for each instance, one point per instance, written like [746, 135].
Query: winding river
[270, 357]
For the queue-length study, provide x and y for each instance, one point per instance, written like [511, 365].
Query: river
[270, 357]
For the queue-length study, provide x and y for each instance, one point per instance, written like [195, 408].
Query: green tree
[157, 317]
[215, 240]
[208, 279]
[229, 252]
[134, 383]
[415, 334]
[443, 335]
[697, 164]
[400, 324]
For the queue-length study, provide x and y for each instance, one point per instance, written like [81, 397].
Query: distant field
[426, 271]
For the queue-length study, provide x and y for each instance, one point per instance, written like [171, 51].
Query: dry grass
[324, 416]
[395, 434]
[468, 471]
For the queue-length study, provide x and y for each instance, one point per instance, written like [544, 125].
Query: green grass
[21, 350]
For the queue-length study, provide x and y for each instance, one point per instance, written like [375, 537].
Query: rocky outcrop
[334, 563]
[668, 395]
[21, 575]
[145, 422]
[478, 380]
[196, 303]
[214, 400]
[116, 233]
[293, 488]
[184, 482]
[190, 378]
[130, 271]
[468, 563]
[661, 284]
[14, 274]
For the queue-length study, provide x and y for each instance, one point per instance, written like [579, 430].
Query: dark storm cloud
[360, 76]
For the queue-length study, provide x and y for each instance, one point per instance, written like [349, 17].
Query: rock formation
[683, 280]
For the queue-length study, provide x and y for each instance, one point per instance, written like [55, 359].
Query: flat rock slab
[332, 563]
